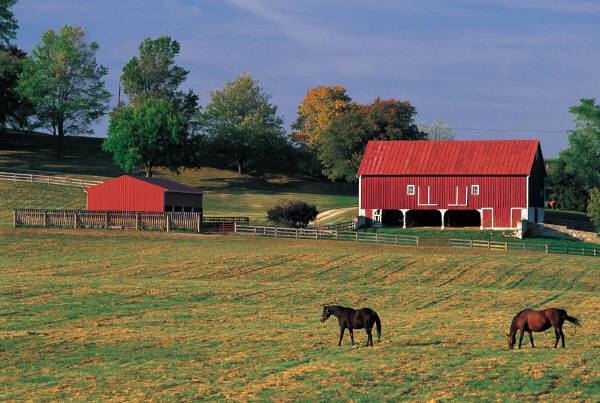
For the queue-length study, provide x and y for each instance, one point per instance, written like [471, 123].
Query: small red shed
[133, 193]
[484, 183]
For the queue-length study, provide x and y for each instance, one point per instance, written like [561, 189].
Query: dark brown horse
[529, 321]
[350, 319]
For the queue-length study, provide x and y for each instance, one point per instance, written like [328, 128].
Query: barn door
[457, 196]
[487, 218]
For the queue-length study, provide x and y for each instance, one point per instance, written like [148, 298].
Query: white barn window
[410, 190]
[474, 190]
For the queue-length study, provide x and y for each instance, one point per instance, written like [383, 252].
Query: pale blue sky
[490, 69]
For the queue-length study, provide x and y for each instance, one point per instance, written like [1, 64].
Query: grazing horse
[529, 321]
[350, 319]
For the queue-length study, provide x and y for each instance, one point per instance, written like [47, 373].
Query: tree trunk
[60, 140]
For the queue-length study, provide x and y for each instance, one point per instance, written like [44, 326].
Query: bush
[296, 214]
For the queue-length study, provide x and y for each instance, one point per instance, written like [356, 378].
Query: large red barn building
[484, 183]
[133, 193]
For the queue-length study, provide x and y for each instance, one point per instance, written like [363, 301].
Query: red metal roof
[449, 157]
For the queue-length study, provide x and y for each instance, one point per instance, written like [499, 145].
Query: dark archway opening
[462, 218]
[392, 217]
[423, 218]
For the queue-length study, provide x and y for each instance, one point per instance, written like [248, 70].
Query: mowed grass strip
[125, 316]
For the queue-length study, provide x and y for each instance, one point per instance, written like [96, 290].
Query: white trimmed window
[410, 190]
[475, 190]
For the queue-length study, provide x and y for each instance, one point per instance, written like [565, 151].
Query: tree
[14, 110]
[295, 214]
[64, 83]
[593, 207]
[343, 143]
[316, 112]
[154, 75]
[437, 131]
[240, 123]
[147, 135]
[581, 160]
[8, 23]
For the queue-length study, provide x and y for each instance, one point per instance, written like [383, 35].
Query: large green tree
[343, 143]
[65, 84]
[14, 110]
[149, 135]
[241, 124]
[580, 162]
[8, 22]
[154, 74]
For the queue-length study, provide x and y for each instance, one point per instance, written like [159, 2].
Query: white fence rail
[49, 179]
[413, 240]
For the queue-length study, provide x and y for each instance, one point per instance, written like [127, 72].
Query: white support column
[443, 213]
[404, 212]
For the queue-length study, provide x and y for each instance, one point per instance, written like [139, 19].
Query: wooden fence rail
[162, 221]
[412, 240]
[48, 179]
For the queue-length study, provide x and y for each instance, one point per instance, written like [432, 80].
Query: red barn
[133, 193]
[484, 183]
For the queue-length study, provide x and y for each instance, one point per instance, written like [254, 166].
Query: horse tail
[378, 325]
[572, 319]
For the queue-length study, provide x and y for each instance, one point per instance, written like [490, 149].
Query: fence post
[75, 220]
[45, 219]
[168, 223]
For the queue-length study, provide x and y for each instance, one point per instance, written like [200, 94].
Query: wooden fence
[162, 221]
[413, 240]
[49, 179]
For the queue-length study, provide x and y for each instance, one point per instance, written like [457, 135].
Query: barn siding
[128, 193]
[390, 192]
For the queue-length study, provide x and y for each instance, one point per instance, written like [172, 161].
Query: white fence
[49, 179]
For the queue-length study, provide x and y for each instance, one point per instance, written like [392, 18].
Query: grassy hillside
[125, 316]
[226, 193]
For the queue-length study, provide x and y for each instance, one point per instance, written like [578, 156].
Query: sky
[501, 69]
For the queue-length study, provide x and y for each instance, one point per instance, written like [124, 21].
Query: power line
[510, 130]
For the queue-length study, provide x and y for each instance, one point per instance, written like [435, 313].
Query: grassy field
[93, 315]
[124, 316]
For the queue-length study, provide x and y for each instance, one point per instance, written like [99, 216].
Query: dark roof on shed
[165, 184]
[449, 157]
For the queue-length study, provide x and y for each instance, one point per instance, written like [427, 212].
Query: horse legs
[369, 336]
[559, 335]
[351, 335]
[520, 337]
[530, 337]
[342, 334]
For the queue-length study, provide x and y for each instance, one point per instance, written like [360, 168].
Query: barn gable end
[131, 193]
[495, 183]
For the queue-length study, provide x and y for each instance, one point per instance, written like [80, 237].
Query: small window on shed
[475, 190]
[410, 190]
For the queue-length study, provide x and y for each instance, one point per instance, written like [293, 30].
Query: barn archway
[462, 218]
[392, 217]
[423, 218]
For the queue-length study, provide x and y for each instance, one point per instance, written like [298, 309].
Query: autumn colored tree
[316, 112]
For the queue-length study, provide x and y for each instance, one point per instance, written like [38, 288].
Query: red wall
[499, 193]
[126, 194]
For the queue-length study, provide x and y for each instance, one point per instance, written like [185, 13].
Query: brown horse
[529, 321]
[350, 319]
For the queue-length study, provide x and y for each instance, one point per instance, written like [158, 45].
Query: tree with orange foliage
[316, 112]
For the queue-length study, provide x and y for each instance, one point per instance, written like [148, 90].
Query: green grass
[101, 315]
